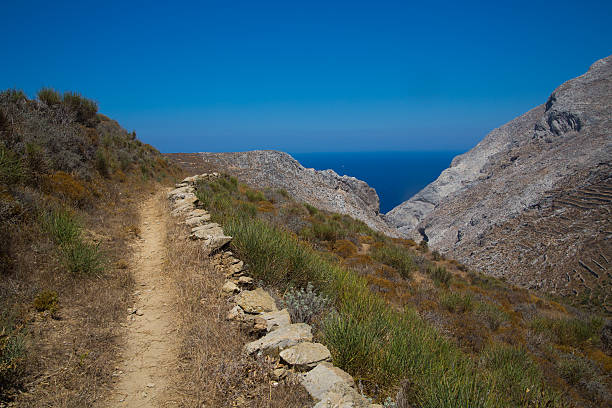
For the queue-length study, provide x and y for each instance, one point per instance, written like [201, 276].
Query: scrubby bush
[423, 247]
[456, 302]
[397, 257]
[519, 377]
[492, 315]
[35, 162]
[327, 231]
[68, 187]
[344, 248]
[46, 301]
[49, 96]
[11, 169]
[255, 195]
[436, 256]
[305, 304]
[63, 227]
[439, 275]
[101, 163]
[568, 331]
[12, 356]
[575, 369]
[82, 258]
[13, 96]
[312, 210]
[85, 109]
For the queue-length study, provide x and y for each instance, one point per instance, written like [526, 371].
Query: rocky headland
[278, 170]
[532, 201]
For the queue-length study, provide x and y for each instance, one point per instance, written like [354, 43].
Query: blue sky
[304, 76]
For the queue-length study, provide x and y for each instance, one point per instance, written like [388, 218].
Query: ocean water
[396, 176]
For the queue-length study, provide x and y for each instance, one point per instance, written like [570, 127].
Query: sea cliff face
[532, 200]
[272, 169]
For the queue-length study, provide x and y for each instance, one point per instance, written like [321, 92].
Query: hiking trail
[150, 354]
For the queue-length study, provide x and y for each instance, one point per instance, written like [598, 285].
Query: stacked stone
[290, 343]
[184, 203]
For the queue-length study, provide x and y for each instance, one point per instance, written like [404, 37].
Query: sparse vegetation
[305, 304]
[53, 201]
[439, 275]
[49, 96]
[397, 257]
[381, 345]
[568, 331]
[491, 314]
[46, 301]
[84, 109]
[457, 302]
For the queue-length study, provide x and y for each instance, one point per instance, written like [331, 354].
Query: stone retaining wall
[290, 344]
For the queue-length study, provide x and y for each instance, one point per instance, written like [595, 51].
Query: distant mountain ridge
[324, 189]
[532, 200]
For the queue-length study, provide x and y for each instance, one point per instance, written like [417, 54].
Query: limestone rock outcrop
[532, 201]
[324, 189]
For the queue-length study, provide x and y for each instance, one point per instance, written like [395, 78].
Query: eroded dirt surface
[150, 356]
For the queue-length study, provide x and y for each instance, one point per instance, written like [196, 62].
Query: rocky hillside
[272, 169]
[531, 202]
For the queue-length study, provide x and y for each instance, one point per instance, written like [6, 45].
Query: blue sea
[396, 176]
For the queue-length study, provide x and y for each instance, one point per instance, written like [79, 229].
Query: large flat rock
[276, 320]
[256, 301]
[206, 231]
[319, 381]
[304, 356]
[280, 339]
[341, 395]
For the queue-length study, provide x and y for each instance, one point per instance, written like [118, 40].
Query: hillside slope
[278, 170]
[531, 202]
[70, 184]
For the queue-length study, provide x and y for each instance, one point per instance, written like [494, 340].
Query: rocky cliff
[272, 169]
[531, 201]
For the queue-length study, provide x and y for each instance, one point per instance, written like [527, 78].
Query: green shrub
[11, 169]
[423, 246]
[49, 96]
[575, 369]
[35, 162]
[377, 344]
[4, 122]
[13, 95]
[491, 315]
[245, 210]
[273, 255]
[327, 231]
[85, 109]
[518, 377]
[82, 258]
[255, 195]
[12, 357]
[101, 163]
[46, 301]
[456, 302]
[568, 331]
[397, 257]
[312, 210]
[305, 304]
[439, 275]
[436, 256]
[63, 227]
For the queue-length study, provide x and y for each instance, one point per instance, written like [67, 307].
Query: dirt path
[150, 355]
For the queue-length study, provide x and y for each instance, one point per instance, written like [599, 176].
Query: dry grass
[72, 352]
[213, 371]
